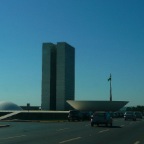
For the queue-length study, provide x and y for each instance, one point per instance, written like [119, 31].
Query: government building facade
[58, 76]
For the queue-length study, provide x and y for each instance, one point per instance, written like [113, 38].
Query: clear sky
[108, 36]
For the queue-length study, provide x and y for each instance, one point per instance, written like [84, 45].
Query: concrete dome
[9, 106]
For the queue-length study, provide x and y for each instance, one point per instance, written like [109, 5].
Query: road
[122, 132]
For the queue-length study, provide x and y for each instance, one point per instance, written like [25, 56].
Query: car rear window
[129, 112]
[74, 112]
[100, 114]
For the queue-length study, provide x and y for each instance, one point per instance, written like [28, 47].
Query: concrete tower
[58, 75]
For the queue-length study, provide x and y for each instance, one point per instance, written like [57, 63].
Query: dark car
[75, 115]
[86, 115]
[138, 114]
[101, 118]
[129, 115]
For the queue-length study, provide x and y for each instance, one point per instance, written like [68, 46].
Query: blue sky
[108, 36]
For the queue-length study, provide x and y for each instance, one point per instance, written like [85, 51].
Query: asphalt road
[122, 132]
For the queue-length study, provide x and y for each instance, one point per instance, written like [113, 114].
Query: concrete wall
[65, 83]
[38, 116]
[48, 77]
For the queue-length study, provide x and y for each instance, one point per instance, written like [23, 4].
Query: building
[58, 76]
[97, 105]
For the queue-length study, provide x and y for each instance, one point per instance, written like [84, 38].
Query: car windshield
[138, 113]
[129, 113]
[100, 114]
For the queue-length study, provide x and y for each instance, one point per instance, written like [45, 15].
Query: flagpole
[110, 90]
[110, 78]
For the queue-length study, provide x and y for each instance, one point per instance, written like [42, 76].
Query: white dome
[9, 106]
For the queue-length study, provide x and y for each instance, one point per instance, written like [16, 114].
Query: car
[86, 115]
[101, 118]
[115, 115]
[130, 115]
[138, 114]
[75, 115]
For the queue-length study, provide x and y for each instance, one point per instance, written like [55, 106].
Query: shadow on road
[116, 127]
[102, 126]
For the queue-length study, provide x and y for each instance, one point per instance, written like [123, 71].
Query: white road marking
[13, 137]
[103, 130]
[137, 142]
[122, 125]
[62, 129]
[70, 140]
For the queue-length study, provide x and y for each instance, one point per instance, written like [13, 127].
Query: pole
[110, 79]
[110, 91]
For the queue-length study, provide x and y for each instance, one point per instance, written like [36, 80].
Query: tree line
[135, 108]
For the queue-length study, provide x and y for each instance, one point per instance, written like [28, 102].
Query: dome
[9, 106]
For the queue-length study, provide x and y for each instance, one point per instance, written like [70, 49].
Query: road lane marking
[70, 140]
[13, 137]
[103, 130]
[62, 129]
[122, 125]
[137, 142]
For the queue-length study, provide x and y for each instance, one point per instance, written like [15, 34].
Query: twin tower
[58, 76]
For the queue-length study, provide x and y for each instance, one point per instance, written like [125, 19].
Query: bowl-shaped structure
[97, 105]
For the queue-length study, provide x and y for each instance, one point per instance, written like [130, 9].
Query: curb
[1, 126]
